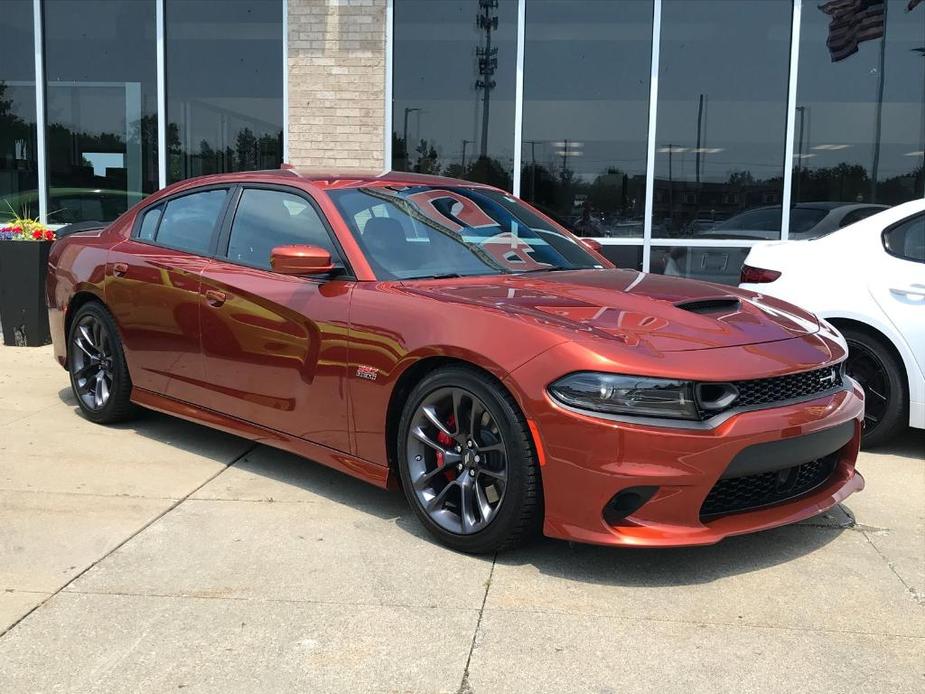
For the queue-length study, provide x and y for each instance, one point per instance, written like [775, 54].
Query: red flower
[37, 234]
[49, 235]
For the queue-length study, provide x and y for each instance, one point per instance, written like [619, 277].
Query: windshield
[423, 231]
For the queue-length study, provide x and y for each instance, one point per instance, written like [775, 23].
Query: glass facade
[101, 107]
[688, 191]
[18, 141]
[677, 132]
[224, 86]
[224, 83]
[720, 135]
[453, 89]
[860, 114]
[583, 150]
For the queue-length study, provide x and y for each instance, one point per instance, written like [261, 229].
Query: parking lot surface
[160, 555]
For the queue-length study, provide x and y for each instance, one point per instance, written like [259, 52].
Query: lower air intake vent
[737, 494]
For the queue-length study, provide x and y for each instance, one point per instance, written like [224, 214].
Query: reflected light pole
[533, 144]
[405, 135]
[464, 144]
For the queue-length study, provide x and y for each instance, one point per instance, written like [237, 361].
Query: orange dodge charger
[443, 337]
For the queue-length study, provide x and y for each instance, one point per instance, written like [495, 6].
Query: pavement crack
[128, 539]
[464, 686]
[918, 598]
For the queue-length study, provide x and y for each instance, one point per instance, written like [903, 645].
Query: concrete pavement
[160, 555]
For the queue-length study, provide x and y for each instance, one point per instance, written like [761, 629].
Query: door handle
[913, 290]
[215, 298]
[119, 269]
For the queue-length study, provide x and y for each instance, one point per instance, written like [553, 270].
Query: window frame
[223, 239]
[229, 189]
[892, 227]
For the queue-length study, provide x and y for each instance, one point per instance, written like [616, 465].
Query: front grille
[764, 391]
[736, 494]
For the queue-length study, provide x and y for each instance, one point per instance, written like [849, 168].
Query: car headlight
[630, 395]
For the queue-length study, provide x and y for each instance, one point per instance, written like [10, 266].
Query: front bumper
[587, 460]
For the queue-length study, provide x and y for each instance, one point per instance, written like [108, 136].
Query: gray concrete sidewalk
[160, 555]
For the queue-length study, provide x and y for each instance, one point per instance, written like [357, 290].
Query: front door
[274, 346]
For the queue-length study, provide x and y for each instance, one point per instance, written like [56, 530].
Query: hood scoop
[717, 304]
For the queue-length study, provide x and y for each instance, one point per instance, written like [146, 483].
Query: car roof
[332, 178]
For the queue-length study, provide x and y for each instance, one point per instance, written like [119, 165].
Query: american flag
[854, 21]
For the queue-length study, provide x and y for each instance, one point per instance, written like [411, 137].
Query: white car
[868, 280]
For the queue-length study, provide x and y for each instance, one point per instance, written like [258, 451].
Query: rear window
[761, 219]
[189, 221]
[803, 219]
[149, 224]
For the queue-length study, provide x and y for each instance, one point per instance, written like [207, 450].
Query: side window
[266, 219]
[149, 224]
[907, 240]
[189, 221]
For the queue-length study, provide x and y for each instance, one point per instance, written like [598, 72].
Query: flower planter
[23, 308]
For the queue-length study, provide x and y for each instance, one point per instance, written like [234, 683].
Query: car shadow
[630, 567]
[572, 561]
[187, 436]
[910, 444]
[268, 462]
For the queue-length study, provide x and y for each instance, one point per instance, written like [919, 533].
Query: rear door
[275, 346]
[898, 286]
[153, 289]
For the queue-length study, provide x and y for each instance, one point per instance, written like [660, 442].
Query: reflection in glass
[715, 264]
[721, 115]
[585, 122]
[453, 104]
[18, 157]
[224, 86]
[102, 107]
[627, 257]
[860, 116]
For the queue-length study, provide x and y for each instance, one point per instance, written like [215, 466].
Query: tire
[95, 354]
[483, 499]
[875, 366]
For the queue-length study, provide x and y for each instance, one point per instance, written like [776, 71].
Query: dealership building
[678, 132]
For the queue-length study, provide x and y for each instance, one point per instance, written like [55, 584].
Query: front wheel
[467, 462]
[96, 363]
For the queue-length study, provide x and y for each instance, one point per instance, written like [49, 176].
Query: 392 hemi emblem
[368, 372]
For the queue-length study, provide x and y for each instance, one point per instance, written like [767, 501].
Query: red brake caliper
[446, 440]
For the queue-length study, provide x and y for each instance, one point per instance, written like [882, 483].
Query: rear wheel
[96, 363]
[872, 364]
[467, 463]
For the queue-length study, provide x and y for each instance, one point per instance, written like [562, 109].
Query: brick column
[337, 83]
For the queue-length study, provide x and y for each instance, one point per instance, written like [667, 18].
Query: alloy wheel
[457, 460]
[91, 362]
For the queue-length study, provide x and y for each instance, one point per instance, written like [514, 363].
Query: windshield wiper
[543, 269]
[444, 276]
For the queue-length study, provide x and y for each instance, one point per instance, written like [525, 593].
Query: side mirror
[592, 245]
[300, 260]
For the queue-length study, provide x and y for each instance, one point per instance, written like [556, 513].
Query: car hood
[665, 314]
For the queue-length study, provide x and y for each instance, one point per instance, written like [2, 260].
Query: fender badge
[368, 372]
